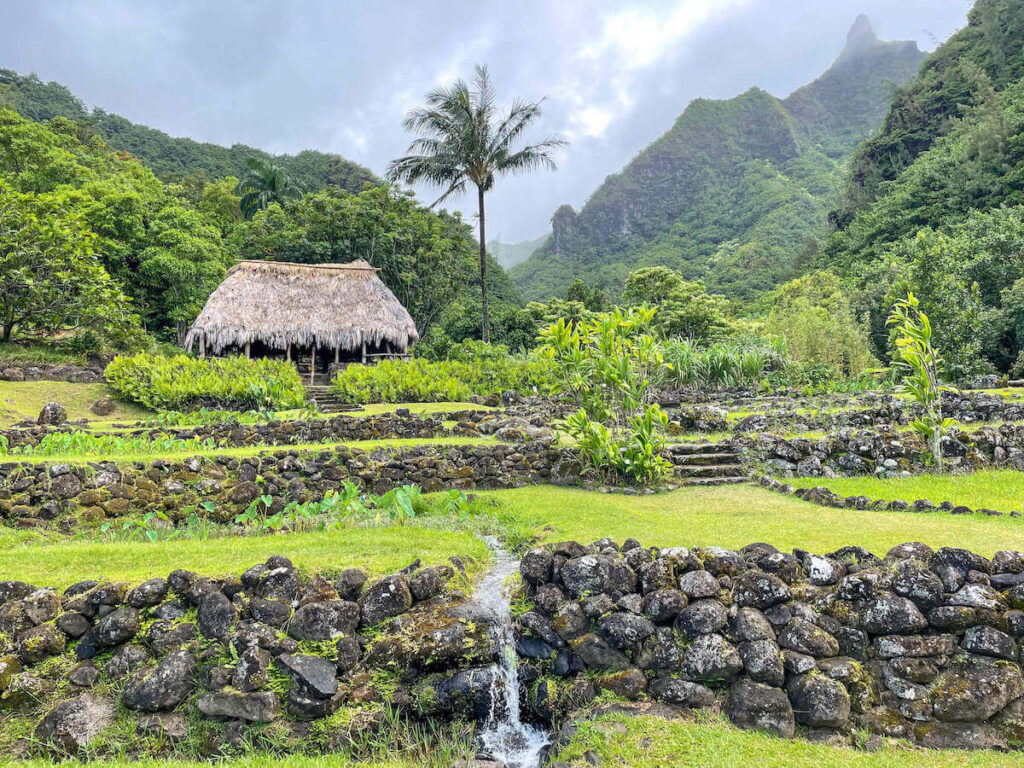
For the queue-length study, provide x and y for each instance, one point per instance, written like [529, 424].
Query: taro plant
[606, 365]
[920, 365]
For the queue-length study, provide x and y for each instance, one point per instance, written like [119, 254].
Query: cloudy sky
[338, 75]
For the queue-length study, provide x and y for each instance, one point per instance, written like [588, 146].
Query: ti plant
[920, 365]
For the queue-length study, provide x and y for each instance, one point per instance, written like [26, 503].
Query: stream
[505, 736]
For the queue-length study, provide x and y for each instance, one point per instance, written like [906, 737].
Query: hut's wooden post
[364, 353]
[202, 346]
[288, 354]
[337, 359]
[312, 365]
[247, 356]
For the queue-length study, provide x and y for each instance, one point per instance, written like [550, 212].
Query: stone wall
[270, 646]
[35, 493]
[77, 374]
[885, 452]
[918, 644]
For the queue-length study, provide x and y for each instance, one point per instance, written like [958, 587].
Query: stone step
[704, 482]
[688, 449]
[712, 470]
[694, 459]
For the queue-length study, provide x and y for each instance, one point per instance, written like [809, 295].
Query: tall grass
[719, 366]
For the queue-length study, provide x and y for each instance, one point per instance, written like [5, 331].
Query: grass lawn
[378, 550]
[732, 516]
[21, 400]
[1001, 489]
[248, 450]
[424, 409]
[250, 761]
[710, 742]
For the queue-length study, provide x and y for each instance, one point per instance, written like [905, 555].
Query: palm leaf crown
[462, 140]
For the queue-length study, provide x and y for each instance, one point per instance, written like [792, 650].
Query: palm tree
[264, 183]
[462, 141]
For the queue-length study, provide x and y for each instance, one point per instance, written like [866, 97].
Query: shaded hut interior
[317, 315]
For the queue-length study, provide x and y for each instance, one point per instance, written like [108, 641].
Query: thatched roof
[281, 303]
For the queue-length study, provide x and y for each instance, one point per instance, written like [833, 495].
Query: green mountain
[169, 157]
[935, 200]
[736, 191]
[510, 254]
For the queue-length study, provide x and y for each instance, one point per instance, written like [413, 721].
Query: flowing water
[505, 737]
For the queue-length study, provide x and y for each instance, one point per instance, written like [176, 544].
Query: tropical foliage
[181, 382]
[421, 381]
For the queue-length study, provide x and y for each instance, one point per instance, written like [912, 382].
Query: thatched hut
[319, 312]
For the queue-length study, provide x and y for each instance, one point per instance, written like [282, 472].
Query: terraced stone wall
[76, 374]
[918, 644]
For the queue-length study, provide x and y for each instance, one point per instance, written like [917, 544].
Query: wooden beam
[336, 358]
[364, 353]
[202, 346]
[312, 364]
[288, 354]
[247, 355]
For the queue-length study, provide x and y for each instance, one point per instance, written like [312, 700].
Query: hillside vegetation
[734, 190]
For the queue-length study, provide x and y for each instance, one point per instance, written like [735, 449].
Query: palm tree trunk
[483, 264]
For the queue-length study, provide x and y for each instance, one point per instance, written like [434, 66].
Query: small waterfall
[505, 737]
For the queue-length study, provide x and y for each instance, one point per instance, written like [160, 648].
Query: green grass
[1001, 489]
[250, 761]
[378, 550]
[251, 450]
[710, 742]
[21, 400]
[732, 516]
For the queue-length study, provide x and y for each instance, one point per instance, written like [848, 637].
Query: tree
[264, 183]
[49, 276]
[685, 310]
[463, 140]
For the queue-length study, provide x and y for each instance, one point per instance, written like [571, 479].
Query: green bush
[182, 382]
[422, 381]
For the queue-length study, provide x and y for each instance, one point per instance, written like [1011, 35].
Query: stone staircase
[705, 464]
[326, 400]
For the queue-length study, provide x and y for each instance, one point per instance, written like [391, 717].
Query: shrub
[422, 381]
[182, 382]
[720, 366]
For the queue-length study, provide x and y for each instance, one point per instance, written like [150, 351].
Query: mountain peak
[861, 37]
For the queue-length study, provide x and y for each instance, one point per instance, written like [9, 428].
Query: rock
[625, 631]
[968, 691]
[251, 671]
[759, 590]
[73, 724]
[39, 643]
[755, 706]
[711, 657]
[701, 617]
[325, 621]
[24, 691]
[629, 684]
[976, 596]
[763, 662]
[112, 630]
[748, 624]
[962, 736]
[317, 676]
[570, 622]
[681, 693]
[427, 583]
[891, 646]
[216, 615]
[823, 571]
[147, 594]
[164, 687]
[596, 653]
[41, 606]
[53, 414]
[167, 726]
[989, 641]
[384, 599]
[699, 584]
[126, 660]
[260, 707]
[819, 701]
[536, 566]
[103, 406]
[350, 584]
[663, 605]
[84, 675]
[806, 638]
[72, 624]
[890, 614]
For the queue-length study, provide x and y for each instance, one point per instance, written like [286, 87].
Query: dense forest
[736, 191]
[92, 238]
[168, 157]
